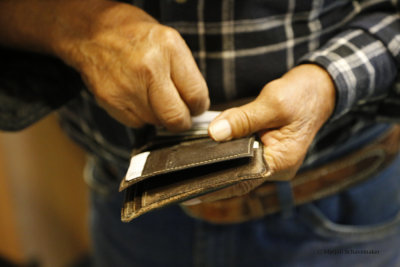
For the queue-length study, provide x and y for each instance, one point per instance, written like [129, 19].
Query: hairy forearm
[28, 24]
[60, 27]
[47, 25]
[139, 71]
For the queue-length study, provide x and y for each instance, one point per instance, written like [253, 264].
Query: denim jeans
[357, 227]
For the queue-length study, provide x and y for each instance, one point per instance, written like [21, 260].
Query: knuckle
[242, 123]
[145, 65]
[282, 108]
[277, 100]
[197, 99]
[148, 63]
[280, 105]
[170, 36]
[175, 119]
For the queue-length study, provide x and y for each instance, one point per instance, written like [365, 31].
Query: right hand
[140, 71]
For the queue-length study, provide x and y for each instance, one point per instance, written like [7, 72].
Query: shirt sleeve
[32, 86]
[363, 59]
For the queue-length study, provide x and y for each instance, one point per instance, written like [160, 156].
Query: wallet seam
[128, 214]
[125, 184]
[182, 167]
[217, 159]
[195, 164]
[222, 184]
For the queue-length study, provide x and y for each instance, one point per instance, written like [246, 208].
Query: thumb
[241, 121]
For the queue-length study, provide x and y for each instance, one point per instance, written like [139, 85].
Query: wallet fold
[171, 174]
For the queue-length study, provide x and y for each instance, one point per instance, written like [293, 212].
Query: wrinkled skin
[287, 115]
[142, 72]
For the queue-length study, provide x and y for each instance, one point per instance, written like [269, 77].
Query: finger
[242, 121]
[189, 80]
[168, 106]
[284, 150]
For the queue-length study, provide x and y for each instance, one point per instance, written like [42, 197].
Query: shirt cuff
[360, 65]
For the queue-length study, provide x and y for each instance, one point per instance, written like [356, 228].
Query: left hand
[287, 115]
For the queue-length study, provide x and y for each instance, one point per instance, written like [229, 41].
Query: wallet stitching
[126, 183]
[220, 185]
[248, 152]
[137, 212]
[184, 195]
[195, 164]
[250, 144]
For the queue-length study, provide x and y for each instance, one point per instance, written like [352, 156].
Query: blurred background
[43, 198]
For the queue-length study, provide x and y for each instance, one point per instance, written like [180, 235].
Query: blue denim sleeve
[363, 59]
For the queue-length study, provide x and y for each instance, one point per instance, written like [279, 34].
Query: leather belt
[311, 185]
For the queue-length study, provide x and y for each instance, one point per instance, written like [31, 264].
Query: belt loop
[285, 196]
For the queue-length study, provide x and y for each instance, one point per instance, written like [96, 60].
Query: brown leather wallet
[169, 173]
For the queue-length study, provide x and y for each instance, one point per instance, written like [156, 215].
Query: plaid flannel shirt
[242, 45]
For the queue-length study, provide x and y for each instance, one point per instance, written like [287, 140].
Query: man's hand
[287, 114]
[140, 71]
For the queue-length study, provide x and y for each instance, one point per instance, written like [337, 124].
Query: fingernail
[191, 202]
[220, 130]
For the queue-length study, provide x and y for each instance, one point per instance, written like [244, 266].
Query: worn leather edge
[248, 153]
[130, 212]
